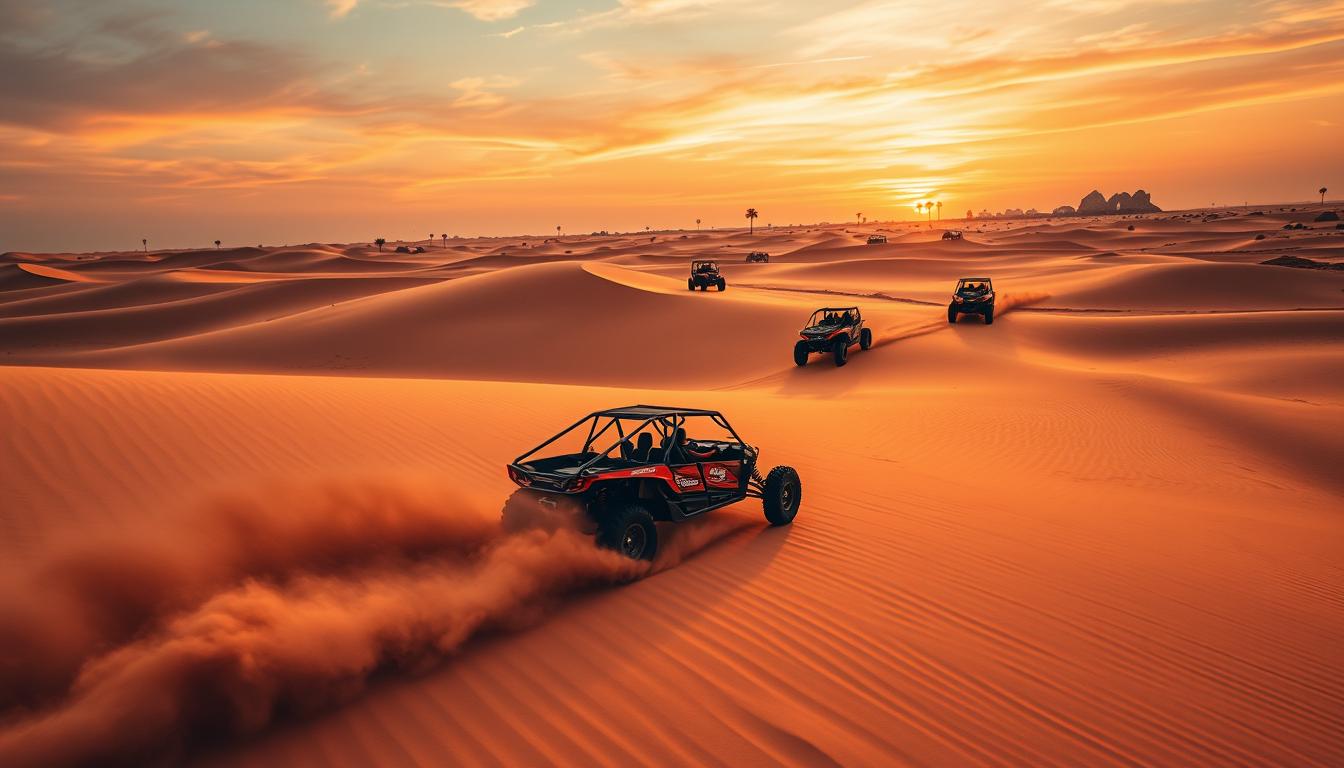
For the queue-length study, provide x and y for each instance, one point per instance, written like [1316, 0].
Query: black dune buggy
[974, 296]
[705, 274]
[649, 471]
[952, 234]
[877, 239]
[833, 330]
[758, 256]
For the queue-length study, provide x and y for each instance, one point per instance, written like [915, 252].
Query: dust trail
[300, 626]
[1006, 303]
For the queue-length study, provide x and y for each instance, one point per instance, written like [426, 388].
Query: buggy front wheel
[841, 352]
[800, 352]
[866, 339]
[783, 495]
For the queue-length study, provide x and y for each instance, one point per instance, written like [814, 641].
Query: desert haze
[251, 501]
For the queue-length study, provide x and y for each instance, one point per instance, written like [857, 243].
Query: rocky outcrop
[1093, 204]
[1121, 202]
[1141, 202]
[1064, 210]
[1327, 216]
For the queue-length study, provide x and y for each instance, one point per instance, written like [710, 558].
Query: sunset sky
[285, 121]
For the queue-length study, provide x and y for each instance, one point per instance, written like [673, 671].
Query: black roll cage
[665, 421]
[858, 316]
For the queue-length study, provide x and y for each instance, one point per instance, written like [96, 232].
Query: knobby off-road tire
[951, 315]
[631, 532]
[690, 284]
[989, 316]
[722, 284]
[783, 495]
[866, 339]
[840, 349]
[800, 354]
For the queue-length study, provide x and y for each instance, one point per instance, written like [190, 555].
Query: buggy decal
[722, 474]
[687, 478]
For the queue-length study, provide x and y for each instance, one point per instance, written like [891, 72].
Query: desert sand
[250, 500]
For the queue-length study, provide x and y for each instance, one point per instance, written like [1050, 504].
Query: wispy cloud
[339, 9]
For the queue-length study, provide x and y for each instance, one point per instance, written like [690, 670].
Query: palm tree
[380, 242]
[697, 225]
[920, 208]
[751, 220]
[557, 230]
[940, 210]
[216, 245]
[445, 240]
[431, 238]
[145, 242]
[928, 213]
[1322, 190]
[858, 218]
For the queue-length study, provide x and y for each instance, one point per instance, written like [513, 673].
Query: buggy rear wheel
[989, 316]
[631, 532]
[722, 284]
[951, 315]
[783, 495]
[840, 349]
[690, 284]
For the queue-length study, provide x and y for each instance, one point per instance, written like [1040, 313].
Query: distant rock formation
[1121, 202]
[1142, 202]
[1064, 210]
[1092, 205]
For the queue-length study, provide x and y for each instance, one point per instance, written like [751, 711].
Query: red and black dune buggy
[649, 471]
[833, 330]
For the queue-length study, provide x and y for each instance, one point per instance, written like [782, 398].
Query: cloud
[339, 9]
[493, 10]
[480, 91]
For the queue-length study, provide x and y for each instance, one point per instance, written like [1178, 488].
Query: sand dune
[1102, 531]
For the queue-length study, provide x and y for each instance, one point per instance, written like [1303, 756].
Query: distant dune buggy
[705, 274]
[952, 234]
[649, 471]
[877, 239]
[758, 256]
[833, 330]
[974, 296]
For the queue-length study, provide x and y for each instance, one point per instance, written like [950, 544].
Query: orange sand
[1104, 531]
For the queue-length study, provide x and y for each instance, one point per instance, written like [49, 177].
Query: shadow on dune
[143, 645]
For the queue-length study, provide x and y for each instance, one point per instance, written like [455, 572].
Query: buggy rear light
[519, 477]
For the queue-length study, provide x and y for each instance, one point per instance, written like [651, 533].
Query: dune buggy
[974, 296]
[952, 234]
[833, 330]
[758, 256]
[705, 274]
[649, 471]
[877, 239]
